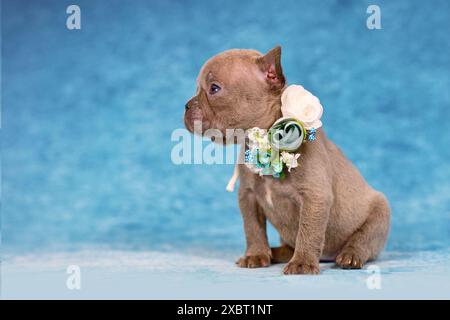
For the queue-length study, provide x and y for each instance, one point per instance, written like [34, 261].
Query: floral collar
[269, 152]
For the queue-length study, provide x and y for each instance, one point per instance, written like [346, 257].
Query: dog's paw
[349, 259]
[294, 267]
[255, 261]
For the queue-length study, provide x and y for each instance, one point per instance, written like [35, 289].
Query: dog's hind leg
[282, 254]
[368, 241]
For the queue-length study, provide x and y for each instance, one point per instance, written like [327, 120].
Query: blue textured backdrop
[88, 115]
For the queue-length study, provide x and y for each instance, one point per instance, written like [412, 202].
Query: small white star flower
[290, 159]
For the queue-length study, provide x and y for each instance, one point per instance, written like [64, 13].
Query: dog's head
[237, 89]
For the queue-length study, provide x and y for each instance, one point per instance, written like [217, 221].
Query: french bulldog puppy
[324, 209]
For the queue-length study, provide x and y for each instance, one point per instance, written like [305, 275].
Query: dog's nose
[192, 102]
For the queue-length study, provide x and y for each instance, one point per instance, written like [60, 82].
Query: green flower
[277, 165]
[263, 159]
[287, 134]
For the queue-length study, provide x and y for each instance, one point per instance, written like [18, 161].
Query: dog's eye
[214, 89]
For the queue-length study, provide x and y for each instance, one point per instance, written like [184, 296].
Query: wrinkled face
[237, 89]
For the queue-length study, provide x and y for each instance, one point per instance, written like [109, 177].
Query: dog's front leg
[314, 212]
[258, 252]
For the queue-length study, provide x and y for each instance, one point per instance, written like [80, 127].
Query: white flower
[255, 133]
[299, 103]
[264, 145]
[258, 138]
[290, 159]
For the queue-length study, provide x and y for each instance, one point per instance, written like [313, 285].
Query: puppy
[324, 209]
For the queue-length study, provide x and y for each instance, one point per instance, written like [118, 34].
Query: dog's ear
[270, 65]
